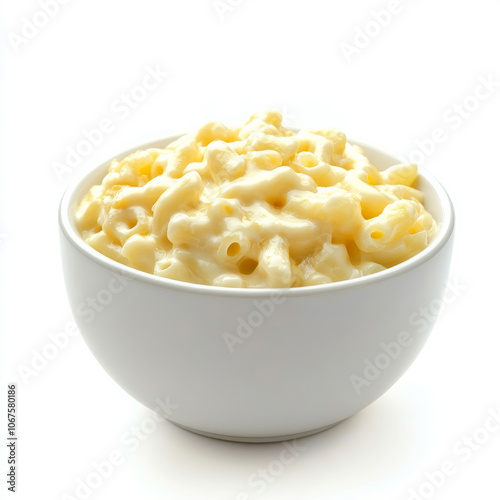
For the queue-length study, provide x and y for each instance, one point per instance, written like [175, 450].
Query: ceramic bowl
[254, 364]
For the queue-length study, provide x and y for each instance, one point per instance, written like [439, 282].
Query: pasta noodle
[256, 206]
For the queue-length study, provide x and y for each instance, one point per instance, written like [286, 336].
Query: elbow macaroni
[256, 206]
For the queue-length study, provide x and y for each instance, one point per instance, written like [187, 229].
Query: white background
[411, 77]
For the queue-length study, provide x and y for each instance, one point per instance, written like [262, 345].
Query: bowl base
[266, 439]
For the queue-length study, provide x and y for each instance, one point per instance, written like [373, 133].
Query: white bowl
[305, 358]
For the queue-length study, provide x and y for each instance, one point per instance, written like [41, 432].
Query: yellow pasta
[257, 206]
[274, 263]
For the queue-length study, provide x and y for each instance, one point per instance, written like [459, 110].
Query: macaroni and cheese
[256, 206]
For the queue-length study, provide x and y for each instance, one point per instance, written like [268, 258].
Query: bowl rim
[70, 232]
